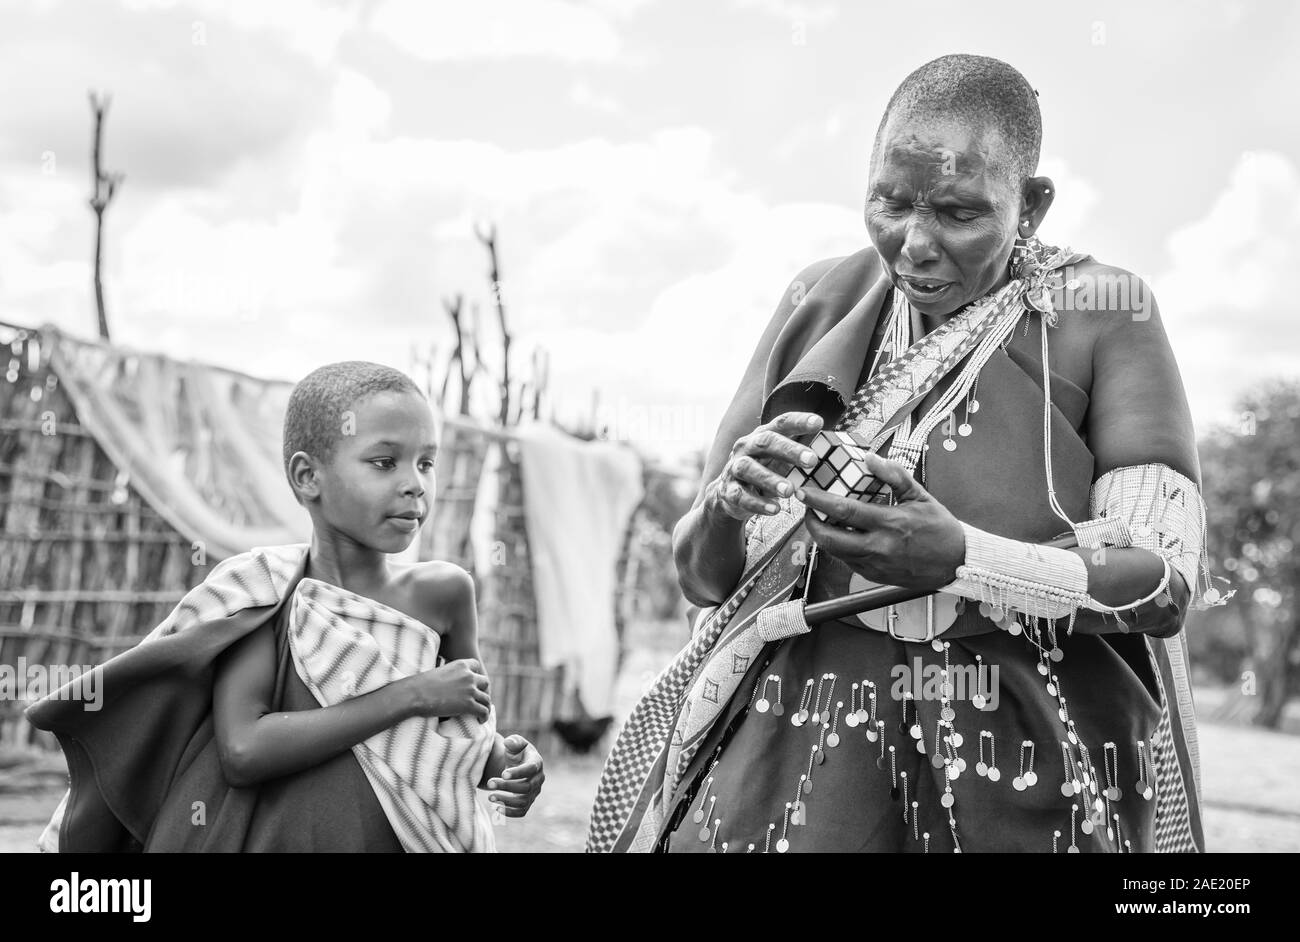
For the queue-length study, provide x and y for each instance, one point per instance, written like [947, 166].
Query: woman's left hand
[916, 543]
[519, 784]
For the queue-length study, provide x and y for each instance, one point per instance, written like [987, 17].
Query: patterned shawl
[424, 771]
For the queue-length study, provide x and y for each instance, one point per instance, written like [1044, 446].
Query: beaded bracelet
[1096, 606]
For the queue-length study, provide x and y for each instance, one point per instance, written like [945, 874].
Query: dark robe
[145, 770]
[749, 765]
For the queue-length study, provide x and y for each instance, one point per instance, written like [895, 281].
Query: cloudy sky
[303, 179]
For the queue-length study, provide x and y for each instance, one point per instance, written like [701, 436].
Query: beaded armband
[1153, 507]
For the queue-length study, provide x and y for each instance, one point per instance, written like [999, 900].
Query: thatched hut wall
[88, 567]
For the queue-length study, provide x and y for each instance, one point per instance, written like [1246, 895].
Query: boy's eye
[426, 465]
[381, 463]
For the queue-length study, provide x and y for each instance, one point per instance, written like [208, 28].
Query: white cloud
[441, 30]
[1072, 207]
[182, 114]
[585, 96]
[308, 27]
[631, 261]
[794, 10]
[667, 382]
[1227, 296]
[38, 281]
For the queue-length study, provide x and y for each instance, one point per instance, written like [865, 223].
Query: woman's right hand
[753, 478]
[455, 689]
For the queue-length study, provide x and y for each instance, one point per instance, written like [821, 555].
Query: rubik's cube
[840, 469]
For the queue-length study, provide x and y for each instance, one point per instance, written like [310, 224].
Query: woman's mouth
[923, 289]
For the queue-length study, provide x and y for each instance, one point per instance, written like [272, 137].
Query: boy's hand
[455, 689]
[520, 782]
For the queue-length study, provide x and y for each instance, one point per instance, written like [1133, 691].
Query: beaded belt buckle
[840, 469]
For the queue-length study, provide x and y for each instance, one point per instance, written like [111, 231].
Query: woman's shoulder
[859, 269]
[865, 261]
[818, 297]
[1105, 297]
[1098, 306]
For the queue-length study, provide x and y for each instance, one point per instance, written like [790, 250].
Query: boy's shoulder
[437, 587]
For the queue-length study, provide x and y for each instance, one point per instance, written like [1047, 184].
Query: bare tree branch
[489, 239]
[453, 307]
[104, 188]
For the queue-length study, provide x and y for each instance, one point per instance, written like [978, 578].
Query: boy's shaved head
[983, 92]
[315, 420]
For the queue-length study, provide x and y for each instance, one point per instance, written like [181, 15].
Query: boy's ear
[303, 477]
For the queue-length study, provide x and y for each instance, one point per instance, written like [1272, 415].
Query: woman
[1010, 395]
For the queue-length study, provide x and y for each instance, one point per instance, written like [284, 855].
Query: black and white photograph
[633, 426]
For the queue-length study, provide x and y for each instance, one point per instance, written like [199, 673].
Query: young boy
[292, 701]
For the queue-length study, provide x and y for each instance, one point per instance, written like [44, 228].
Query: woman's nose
[919, 243]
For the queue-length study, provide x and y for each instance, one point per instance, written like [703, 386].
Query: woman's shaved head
[980, 91]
